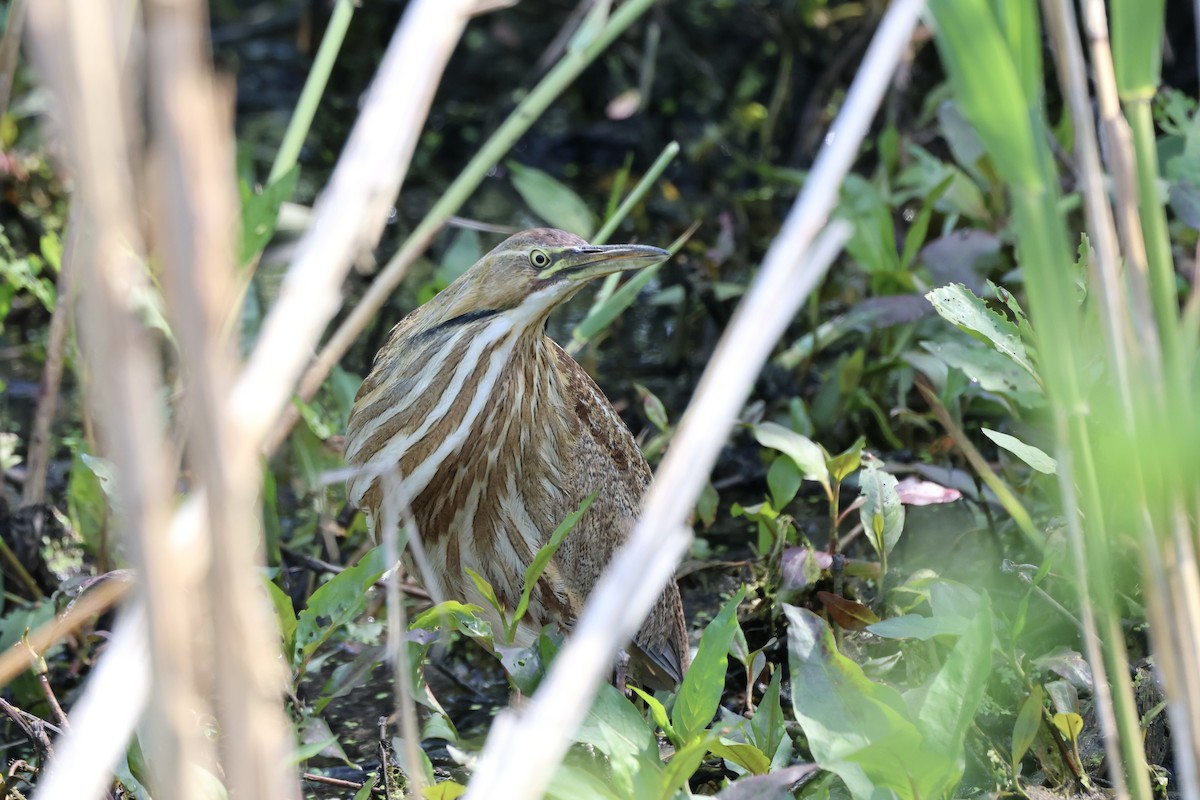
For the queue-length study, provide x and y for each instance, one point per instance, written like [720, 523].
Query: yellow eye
[539, 259]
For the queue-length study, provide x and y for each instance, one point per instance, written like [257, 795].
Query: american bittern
[498, 435]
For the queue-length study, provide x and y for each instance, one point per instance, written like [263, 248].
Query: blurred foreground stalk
[1121, 389]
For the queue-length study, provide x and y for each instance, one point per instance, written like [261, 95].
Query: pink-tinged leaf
[916, 492]
[802, 566]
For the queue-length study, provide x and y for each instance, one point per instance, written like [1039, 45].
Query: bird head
[529, 274]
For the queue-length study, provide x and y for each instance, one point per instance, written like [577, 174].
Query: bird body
[496, 434]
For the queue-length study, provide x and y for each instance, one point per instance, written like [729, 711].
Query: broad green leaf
[700, 694]
[961, 307]
[681, 767]
[336, 602]
[957, 689]
[534, 571]
[1029, 720]
[846, 462]
[260, 212]
[783, 480]
[446, 790]
[1070, 725]
[990, 370]
[855, 727]
[806, 453]
[574, 780]
[916, 626]
[613, 726]
[882, 513]
[746, 756]
[1033, 456]
[551, 200]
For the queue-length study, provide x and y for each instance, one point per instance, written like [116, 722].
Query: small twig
[312, 777]
[52, 699]
[33, 727]
[15, 659]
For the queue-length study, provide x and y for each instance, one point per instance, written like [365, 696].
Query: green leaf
[658, 712]
[286, 616]
[1029, 720]
[767, 724]
[336, 602]
[882, 513]
[488, 593]
[551, 200]
[957, 689]
[536, 567]
[847, 461]
[855, 727]
[260, 212]
[916, 626]
[746, 756]
[655, 412]
[806, 453]
[992, 371]
[706, 505]
[783, 479]
[613, 726]
[682, 766]
[86, 507]
[700, 694]
[958, 305]
[1033, 456]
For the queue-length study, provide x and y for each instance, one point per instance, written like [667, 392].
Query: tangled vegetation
[946, 549]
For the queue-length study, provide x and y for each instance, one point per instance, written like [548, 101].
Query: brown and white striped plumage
[499, 435]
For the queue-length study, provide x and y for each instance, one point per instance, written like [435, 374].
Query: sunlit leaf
[337, 602]
[1070, 725]
[1035, 457]
[700, 694]
[959, 305]
[806, 453]
[882, 513]
[746, 756]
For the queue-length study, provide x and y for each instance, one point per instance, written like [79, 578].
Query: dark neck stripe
[463, 319]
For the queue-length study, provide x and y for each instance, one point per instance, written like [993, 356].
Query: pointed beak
[592, 261]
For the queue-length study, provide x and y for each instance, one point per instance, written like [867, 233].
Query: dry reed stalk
[234, 417]
[523, 750]
[82, 61]
[192, 188]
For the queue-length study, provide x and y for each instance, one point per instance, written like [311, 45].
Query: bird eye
[539, 259]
